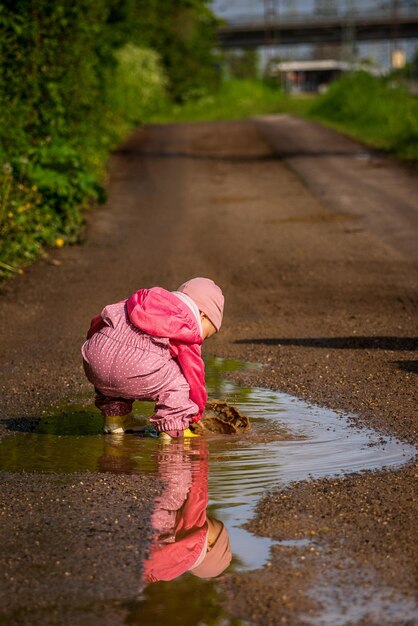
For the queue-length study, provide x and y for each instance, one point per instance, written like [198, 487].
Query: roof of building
[318, 65]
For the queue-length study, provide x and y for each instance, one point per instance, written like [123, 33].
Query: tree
[183, 33]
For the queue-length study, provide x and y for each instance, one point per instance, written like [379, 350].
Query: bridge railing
[376, 14]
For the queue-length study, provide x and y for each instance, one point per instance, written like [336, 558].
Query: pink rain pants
[125, 364]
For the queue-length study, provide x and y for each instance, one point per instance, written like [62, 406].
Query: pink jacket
[160, 313]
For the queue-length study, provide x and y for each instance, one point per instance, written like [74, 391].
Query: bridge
[250, 31]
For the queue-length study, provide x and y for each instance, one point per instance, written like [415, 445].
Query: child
[148, 347]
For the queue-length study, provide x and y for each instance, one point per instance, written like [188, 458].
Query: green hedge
[376, 110]
[75, 76]
[235, 99]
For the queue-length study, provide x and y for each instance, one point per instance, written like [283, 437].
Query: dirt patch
[55, 553]
[277, 594]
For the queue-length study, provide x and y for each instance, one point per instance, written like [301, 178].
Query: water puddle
[208, 483]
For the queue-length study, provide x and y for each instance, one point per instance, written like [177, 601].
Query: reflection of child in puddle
[186, 539]
[148, 347]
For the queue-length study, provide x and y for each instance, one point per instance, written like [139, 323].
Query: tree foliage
[242, 64]
[377, 110]
[183, 33]
[74, 75]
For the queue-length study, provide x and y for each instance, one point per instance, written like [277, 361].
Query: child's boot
[117, 424]
[173, 434]
[188, 433]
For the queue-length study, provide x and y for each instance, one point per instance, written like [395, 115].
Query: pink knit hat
[207, 296]
[217, 559]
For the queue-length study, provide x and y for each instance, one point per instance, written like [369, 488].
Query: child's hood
[160, 313]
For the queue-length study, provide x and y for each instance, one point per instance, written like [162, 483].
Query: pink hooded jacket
[160, 313]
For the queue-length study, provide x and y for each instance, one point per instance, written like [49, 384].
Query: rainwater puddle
[216, 478]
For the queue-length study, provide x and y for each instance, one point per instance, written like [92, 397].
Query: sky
[380, 52]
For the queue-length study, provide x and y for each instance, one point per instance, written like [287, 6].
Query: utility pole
[397, 55]
[270, 32]
[349, 32]
[326, 9]
[395, 24]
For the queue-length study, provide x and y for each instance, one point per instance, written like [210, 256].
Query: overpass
[250, 32]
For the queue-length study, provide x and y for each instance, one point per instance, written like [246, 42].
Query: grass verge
[236, 99]
[373, 110]
[378, 111]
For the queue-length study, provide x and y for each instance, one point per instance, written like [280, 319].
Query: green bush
[184, 34]
[75, 76]
[374, 110]
[235, 99]
[139, 84]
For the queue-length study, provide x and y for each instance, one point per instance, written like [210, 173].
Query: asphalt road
[350, 178]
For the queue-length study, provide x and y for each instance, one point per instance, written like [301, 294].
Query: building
[312, 76]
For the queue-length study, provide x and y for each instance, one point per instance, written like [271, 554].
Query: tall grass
[236, 99]
[374, 110]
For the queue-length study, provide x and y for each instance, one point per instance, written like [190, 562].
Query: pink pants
[125, 364]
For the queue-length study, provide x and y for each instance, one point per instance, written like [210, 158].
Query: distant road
[348, 177]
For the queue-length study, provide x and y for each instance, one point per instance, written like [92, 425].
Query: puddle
[218, 477]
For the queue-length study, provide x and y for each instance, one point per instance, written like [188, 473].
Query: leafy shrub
[59, 117]
[139, 83]
[235, 99]
[374, 110]
[75, 75]
[184, 33]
